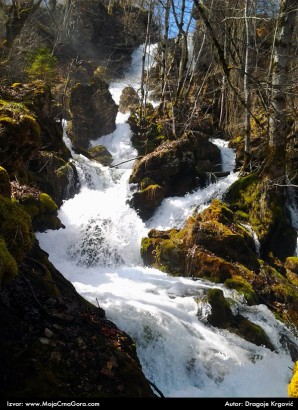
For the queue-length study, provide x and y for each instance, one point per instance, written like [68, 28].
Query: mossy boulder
[222, 316]
[163, 250]
[54, 343]
[101, 154]
[15, 228]
[215, 230]
[278, 292]
[204, 247]
[243, 287]
[19, 135]
[214, 245]
[53, 175]
[292, 264]
[5, 188]
[178, 166]
[148, 131]
[293, 385]
[251, 332]
[147, 200]
[266, 213]
[40, 206]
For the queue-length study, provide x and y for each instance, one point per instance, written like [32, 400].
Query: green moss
[151, 191]
[251, 332]
[42, 65]
[242, 286]
[170, 257]
[12, 106]
[285, 293]
[7, 120]
[8, 265]
[221, 314]
[292, 264]
[48, 205]
[5, 189]
[43, 212]
[241, 216]
[265, 213]
[146, 182]
[217, 211]
[15, 228]
[32, 122]
[148, 132]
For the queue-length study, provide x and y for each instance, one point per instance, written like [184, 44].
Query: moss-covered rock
[292, 264]
[5, 188]
[19, 136]
[53, 175]
[221, 316]
[215, 230]
[29, 128]
[293, 385]
[244, 287]
[40, 206]
[213, 245]
[100, 154]
[178, 166]
[251, 332]
[8, 265]
[53, 343]
[147, 200]
[15, 228]
[266, 213]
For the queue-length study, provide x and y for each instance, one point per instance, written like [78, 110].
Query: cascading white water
[99, 252]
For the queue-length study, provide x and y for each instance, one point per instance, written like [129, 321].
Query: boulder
[176, 166]
[40, 207]
[54, 175]
[93, 118]
[222, 317]
[54, 343]
[100, 154]
[129, 100]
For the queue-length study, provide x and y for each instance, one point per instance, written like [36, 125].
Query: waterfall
[99, 252]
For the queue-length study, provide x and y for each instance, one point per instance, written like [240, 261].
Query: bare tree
[278, 126]
[18, 14]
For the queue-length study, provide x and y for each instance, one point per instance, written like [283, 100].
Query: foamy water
[99, 252]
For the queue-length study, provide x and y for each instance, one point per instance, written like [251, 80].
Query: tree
[18, 14]
[278, 125]
[42, 66]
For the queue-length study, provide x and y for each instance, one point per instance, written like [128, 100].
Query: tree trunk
[278, 128]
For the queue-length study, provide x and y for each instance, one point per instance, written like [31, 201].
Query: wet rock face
[222, 316]
[94, 33]
[93, 112]
[60, 345]
[177, 167]
[129, 99]
[31, 141]
[100, 154]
